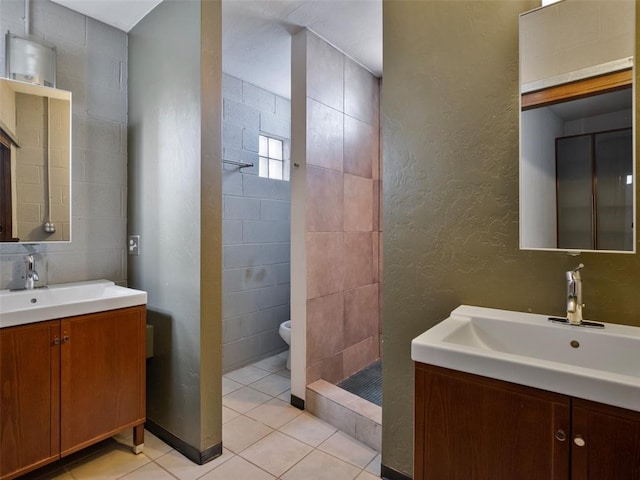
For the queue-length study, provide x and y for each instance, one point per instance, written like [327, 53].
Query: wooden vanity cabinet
[476, 428]
[610, 442]
[66, 384]
[103, 376]
[29, 397]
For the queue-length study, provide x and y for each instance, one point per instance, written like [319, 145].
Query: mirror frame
[573, 85]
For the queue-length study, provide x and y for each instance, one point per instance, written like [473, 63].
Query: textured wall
[175, 205]
[342, 213]
[450, 136]
[92, 64]
[255, 227]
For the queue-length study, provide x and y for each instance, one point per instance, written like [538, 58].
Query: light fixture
[28, 60]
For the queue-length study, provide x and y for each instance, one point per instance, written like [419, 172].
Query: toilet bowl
[285, 333]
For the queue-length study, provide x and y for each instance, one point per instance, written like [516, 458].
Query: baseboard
[388, 473]
[192, 453]
[297, 402]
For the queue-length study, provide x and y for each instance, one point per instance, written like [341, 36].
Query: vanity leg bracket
[138, 439]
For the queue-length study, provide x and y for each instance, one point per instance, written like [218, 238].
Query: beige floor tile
[275, 413]
[308, 429]
[271, 364]
[229, 385]
[276, 453]
[346, 448]
[228, 414]
[150, 471]
[153, 446]
[285, 396]
[237, 469]
[241, 432]
[247, 375]
[284, 373]
[110, 463]
[272, 385]
[183, 468]
[50, 472]
[321, 466]
[245, 399]
[364, 475]
[374, 466]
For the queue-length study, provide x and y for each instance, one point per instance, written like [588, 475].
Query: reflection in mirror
[577, 173]
[577, 162]
[35, 163]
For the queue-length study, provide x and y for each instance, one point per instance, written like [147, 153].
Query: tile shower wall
[256, 227]
[342, 214]
[92, 64]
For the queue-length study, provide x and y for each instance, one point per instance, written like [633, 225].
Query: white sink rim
[77, 298]
[603, 386]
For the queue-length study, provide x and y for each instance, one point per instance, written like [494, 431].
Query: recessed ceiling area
[256, 43]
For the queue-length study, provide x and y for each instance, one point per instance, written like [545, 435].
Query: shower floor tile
[367, 383]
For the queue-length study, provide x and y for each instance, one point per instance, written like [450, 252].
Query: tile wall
[255, 228]
[92, 64]
[342, 214]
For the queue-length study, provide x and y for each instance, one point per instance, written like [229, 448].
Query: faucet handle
[579, 267]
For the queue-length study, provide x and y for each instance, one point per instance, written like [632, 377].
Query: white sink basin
[527, 349]
[64, 300]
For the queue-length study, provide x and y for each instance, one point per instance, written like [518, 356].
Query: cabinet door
[102, 376]
[605, 442]
[29, 397]
[474, 428]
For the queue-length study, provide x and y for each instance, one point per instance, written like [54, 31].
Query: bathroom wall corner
[298, 348]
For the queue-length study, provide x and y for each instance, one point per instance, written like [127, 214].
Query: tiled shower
[342, 218]
[343, 226]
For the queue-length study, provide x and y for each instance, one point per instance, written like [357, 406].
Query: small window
[272, 161]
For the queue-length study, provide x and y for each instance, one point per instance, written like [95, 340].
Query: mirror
[35, 163]
[577, 157]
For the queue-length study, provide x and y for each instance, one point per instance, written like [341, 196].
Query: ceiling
[256, 43]
[122, 14]
[594, 105]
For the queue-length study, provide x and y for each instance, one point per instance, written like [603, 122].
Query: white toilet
[285, 333]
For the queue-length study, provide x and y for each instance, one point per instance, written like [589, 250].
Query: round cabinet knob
[579, 441]
[561, 436]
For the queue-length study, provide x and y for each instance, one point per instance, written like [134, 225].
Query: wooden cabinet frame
[579, 89]
[469, 427]
[67, 384]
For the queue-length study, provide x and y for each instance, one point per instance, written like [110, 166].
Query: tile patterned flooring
[264, 438]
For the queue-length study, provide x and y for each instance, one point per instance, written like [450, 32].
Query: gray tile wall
[92, 64]
[255, 229]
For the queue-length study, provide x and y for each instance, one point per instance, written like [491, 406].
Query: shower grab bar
[240, 164]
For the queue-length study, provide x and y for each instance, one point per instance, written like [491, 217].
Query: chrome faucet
[32, 276]
[574, 296]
